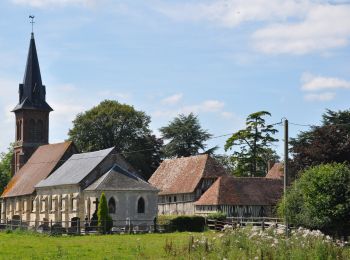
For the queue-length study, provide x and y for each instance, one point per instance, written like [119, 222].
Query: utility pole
[285, 171]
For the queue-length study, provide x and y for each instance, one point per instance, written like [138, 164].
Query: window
[111, 205]
[174, 198]
[141, 205]
[31, 129]
[39, 130]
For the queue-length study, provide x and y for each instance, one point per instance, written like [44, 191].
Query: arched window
[32, 129]
[111, 205]
[141, 205]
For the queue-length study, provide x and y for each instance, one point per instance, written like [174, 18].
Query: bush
[320, 199]
[217, 216]
[104, 222]
[187, 223]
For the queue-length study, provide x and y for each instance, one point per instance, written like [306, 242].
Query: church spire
[32, 92]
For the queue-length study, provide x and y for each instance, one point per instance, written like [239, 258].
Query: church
[54, 183]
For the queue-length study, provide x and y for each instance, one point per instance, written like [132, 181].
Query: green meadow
[233, 244]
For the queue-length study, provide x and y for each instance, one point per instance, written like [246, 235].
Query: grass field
[236, 244]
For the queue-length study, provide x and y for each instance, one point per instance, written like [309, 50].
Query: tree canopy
[114, 124]
[327, 143]
[320, 199]
[5, 168]
[185, 135]
[251, 146]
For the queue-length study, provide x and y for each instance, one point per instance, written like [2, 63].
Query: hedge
[187, 223]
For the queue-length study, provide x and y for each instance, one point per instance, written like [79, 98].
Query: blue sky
[221, 60]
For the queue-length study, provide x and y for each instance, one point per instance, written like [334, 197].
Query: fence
[77, 227]
[234, 222]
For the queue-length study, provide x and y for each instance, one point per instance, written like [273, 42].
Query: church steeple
[32, 111]
[32, 93]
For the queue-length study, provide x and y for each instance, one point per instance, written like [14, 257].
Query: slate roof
[182, 175]
[228, 190]
[118, 178]
[32, 91]
[276, 172]
[75, 169]
[43, 161]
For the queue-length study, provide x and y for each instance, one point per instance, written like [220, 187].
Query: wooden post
[78, 226]
[51, 226]
[285, 172]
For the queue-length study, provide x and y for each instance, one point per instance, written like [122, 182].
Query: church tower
[32, 111]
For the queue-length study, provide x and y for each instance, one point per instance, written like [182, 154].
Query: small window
[174, 198]
[141, 205]
[111, 205]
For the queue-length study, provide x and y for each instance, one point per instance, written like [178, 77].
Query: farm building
[241, 197]
[200, 185]
[182, 182]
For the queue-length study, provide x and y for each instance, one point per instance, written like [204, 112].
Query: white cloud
[110, 94]
[59, 3]
[326, 96]
[289, 26]
[207, 106]
[315, 83]
[172, 100]
[231, 13]
[325, 27]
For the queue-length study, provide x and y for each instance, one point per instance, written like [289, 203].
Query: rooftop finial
[32, 21]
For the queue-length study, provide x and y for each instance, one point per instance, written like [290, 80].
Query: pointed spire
[32, 92]
[32, 76]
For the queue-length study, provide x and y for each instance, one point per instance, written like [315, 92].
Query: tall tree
[320, 199]
[114, 124]
[252, 145]
[186, 137]
[5, 168]
[327, 143]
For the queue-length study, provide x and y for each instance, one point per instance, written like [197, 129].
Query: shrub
[217, 216]
[187, 223]
[104, 221]
[320, 199]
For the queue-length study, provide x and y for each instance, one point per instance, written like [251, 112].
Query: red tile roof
[276, 172]
[228, 190]
[182, 175]
[39, 166]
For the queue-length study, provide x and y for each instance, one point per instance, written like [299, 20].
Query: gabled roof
[32, 92]
[276, 172]
[75, 169]
[119, 178]
[229, 190]
[182, 175]
[43, 161]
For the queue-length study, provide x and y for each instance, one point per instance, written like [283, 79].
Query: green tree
[252, 145]
[114, 124]
[185, 137]
[320, 199]
[5, 168]
[104, 220]
[327, 143]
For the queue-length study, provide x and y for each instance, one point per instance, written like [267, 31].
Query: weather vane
[32, 21]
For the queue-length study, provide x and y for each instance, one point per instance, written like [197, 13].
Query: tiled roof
[276, 172]
[43, 161]
[228, 190]
[75, 169]
[119, 178]
[182, 175]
